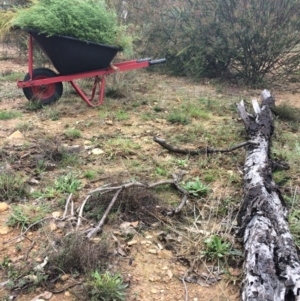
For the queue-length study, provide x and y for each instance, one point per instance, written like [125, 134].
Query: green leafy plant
[121, 115]
[294, 223]
[196, 187]
[73, 133]
[67, 184]
[90, 174]
[90, 20]
[106, 287]
[287, 112]
[183, 162]
[5, 115]
[177, 116]
[12, 187]
[216, 248]
[22, 216]
[160, 171]
[12, 76]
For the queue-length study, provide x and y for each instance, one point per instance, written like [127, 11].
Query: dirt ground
[154, 273]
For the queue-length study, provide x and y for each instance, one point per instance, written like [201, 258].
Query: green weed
[160, 171]
[69, 159]
[73, 133]
[121, 115]
[12, 76]
[106, 287]
[12, 188]
[67, 184]
[6, 115]
[22, 216]
[196, 187]
[90, 174]
[24, 126]
[123, 145]
[294, 224]
[215, 248]
[178, 117]
[287, 112]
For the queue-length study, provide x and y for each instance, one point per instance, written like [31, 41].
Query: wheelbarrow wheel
[45, 94]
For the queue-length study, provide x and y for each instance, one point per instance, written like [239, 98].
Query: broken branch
[199, 151]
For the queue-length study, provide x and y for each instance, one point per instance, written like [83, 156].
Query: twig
[67, 205]
[101, 223]
[32, 225]
[199, 151]
[40, 221]
[64, 289]
[72, 208]
[185, 287]
[81, 211]
[127, 185]
[28, 251]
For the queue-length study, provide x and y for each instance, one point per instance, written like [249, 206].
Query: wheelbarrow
[73, 59]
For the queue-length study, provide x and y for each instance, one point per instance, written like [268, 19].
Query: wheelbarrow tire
[45, 94]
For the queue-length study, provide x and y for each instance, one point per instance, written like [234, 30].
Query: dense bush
[249, 38]
[89, 20]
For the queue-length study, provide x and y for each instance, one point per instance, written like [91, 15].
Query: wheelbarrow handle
[147, 59]
[155, 62]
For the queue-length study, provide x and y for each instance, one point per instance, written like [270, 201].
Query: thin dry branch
[177, 177]
[101, 223]
[199, 151]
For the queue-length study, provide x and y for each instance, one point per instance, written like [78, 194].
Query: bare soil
[152, 270]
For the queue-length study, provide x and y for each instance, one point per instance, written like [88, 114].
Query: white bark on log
[271, 267]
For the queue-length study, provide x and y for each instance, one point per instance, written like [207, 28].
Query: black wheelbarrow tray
[73, 59]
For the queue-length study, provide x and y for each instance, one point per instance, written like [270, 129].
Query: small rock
[4, 230]
[3, 207]
[52, 226]
[109, 122]
[170, 274]
[160, 246]
[96, 240]
[49, 166]
[152, 251]
[132, 242]
[56, 214]
[34, 181]
[68, 294]
[125, 225]
[39, 259]
[154, 291]
[15, 135]
[97, 151]
[65, 277]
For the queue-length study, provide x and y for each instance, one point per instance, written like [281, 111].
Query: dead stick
[67, 205]
[199, 151]
[30, 248]
[101, 223]
[81, 211]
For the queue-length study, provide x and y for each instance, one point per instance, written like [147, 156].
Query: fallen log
[271, 266]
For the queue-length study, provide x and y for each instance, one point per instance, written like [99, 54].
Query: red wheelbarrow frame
[99, 76]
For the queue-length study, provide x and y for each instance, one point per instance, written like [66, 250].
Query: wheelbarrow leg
[100, 83]
[30, 56]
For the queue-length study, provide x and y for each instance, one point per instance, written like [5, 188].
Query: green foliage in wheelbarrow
[89, 20]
